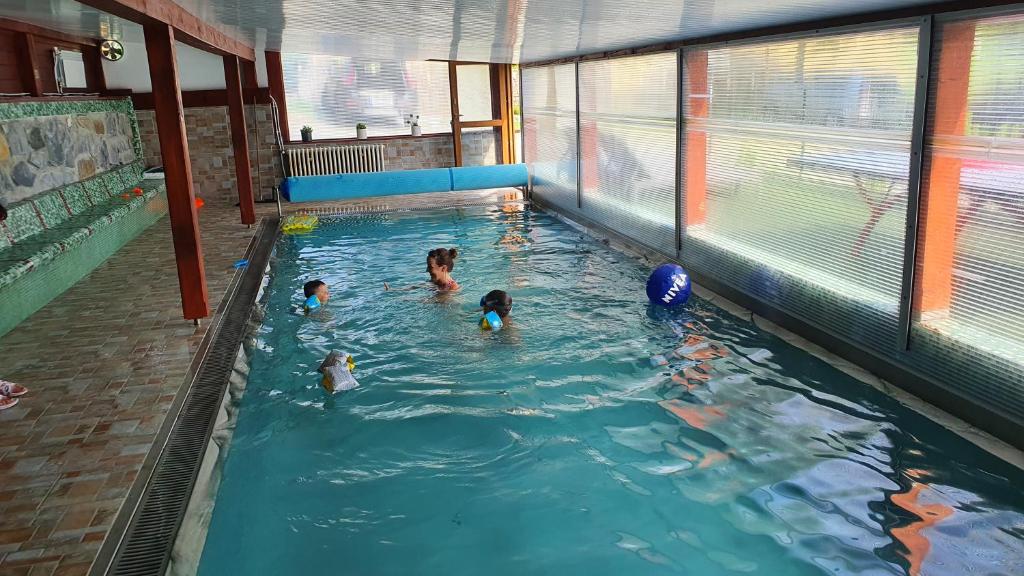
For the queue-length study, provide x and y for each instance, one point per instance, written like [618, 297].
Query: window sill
[368, 139]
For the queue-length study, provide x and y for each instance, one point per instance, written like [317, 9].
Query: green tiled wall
[31, 292]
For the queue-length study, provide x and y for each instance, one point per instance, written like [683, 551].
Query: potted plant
[307, 133]
[361, 131]
[413, 121]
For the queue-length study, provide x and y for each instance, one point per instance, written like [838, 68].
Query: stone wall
[40, 153]
[422, 152]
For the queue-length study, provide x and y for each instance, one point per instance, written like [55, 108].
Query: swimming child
[316, 294]
[497, 305]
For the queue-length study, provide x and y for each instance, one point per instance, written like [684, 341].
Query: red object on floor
[137, 191]
[199, 202]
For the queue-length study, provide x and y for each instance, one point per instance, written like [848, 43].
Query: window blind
[795, 174]
[549, 132]
[334, 93]
[969, 273]
[628, 146]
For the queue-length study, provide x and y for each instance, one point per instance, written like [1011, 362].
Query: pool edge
[135, 543]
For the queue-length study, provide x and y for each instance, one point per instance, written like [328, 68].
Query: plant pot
[307, 136]
[417, 130]
[361, 133]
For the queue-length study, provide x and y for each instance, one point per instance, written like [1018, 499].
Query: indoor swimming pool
[594, 434]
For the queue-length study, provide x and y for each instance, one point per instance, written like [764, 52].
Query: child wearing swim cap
[497, 305]
[316, 294]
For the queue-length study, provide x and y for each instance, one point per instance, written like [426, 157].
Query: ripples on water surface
[555, 447]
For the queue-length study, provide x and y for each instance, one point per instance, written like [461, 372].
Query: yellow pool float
[299, 223]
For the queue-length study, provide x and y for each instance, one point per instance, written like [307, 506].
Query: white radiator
[317, 160]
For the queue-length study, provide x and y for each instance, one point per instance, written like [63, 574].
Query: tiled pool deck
[103, 363]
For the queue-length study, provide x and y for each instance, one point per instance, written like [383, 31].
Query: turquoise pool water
[555, 446]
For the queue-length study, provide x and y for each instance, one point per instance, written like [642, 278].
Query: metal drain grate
[146, 547]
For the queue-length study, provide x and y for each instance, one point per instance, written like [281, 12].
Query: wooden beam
[28, 67]
[239, 141]
[453, 90]
[275, 78]
[196, 98]
[170, 122]
[482, 123]
[188, 28]
[18, 26]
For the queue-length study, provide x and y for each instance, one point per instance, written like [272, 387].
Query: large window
[970, 266]
[549, 132]
[628, 146]
[797, 156]
[334, 93]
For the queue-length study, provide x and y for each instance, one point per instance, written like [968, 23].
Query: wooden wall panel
[16, 66]
[10, 76]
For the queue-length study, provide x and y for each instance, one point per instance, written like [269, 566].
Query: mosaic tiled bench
[49, 242]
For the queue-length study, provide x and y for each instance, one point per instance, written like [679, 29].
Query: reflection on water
[559, 446]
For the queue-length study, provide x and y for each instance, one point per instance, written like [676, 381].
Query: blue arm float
[491, 321]
[312, 303]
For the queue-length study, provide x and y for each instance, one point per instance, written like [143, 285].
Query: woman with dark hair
[440, 262]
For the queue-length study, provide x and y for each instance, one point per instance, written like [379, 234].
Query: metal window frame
[921, 88]
[579, 148]
[680, 155]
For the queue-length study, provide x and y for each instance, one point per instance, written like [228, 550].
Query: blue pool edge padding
[368, 184]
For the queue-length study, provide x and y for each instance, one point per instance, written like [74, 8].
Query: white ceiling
[480, 30]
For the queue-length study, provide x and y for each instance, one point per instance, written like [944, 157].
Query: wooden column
[170, 122]
[695, 191]
[275, 78]
[933, 285]
[453, 91]
[28, 66]
[250, 85]
[505, 111]
[94, 75]
[239, 141]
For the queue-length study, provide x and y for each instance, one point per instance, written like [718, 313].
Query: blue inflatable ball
[669, 285]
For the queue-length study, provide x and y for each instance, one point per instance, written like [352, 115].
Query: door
[481, 113]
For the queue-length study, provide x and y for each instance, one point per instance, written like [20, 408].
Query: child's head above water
[440, 262]
[317, 288]
[497, 301]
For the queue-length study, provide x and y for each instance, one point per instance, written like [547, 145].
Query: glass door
[481, 113]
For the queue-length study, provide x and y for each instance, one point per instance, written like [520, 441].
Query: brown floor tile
[73, 446]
